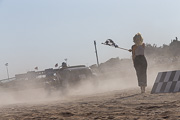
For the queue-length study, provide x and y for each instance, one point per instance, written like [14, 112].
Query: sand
[126, 104]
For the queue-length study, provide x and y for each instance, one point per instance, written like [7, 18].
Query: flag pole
[96, 53]
[66, 60]
[7, 70]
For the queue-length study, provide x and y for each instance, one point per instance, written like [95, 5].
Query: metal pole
[66, 60]
[96, 53]
[7, 70]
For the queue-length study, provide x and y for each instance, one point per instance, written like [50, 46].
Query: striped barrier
[167, 82]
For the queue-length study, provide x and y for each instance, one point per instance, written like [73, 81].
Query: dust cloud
[32, 93]
[121, 76]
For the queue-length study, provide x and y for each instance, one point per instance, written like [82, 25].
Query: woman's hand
[130, 50]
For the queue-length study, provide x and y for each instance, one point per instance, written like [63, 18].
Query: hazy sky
[45, 32]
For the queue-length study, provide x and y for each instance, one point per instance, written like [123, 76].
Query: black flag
[111, 43]
[56, 65]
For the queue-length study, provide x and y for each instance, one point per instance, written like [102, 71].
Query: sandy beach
[126, 104]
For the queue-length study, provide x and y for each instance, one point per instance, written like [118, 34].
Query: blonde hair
[138, 39]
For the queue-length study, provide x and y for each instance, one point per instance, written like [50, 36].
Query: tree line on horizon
[164, 51]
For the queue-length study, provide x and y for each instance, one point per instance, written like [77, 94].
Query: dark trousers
[140, 65]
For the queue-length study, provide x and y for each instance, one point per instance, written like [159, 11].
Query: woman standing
[139, 61]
